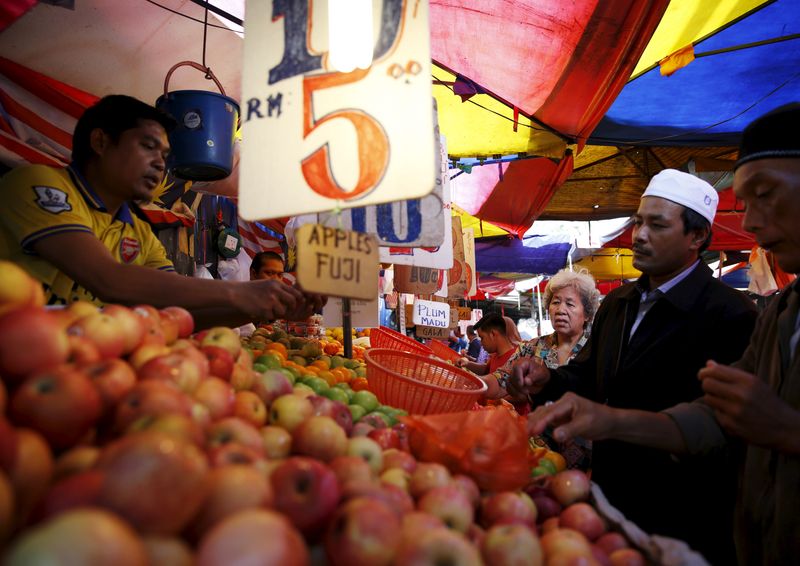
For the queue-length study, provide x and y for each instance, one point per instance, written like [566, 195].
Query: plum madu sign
[315, 139]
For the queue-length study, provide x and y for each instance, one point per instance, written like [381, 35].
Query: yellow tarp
[488, 129]
[688, 21]
[481, 229]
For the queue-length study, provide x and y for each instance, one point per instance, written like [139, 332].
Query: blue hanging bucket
[202, 142]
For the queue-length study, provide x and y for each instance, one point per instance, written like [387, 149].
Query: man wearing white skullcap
[754, 403]
[648, 341]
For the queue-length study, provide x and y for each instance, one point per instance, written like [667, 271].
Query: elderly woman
[571, 300]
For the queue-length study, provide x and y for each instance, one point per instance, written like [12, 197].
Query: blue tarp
[711, 100]
[532, 254]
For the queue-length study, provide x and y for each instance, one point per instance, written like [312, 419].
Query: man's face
[770, 189]
[135, 165]
[488, 340]
[270, 269]
[660, 248]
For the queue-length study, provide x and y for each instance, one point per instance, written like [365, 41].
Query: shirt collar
[93, 199]
[666, 286]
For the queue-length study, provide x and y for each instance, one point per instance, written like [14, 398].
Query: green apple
[300, 360]
[260, 368]
[337, 361]
[302, 387]
[366, 399]
[361, 371]
[357, 411]
[337, 394]
[272, 361]
[346, 388]
[317, 384]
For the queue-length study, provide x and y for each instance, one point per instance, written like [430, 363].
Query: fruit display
[127, 438]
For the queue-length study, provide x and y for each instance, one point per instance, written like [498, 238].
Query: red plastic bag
[490, 446]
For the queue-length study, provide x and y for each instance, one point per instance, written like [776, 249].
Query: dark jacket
[697, 320]
[767, 526]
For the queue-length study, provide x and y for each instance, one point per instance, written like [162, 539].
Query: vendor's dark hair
[693, 220]
[114, 114]
[492, 321]
[261, 257]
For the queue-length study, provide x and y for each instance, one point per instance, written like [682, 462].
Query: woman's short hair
[582, 282]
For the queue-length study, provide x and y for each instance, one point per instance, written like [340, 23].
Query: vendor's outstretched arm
[84, 259]
[573, 416]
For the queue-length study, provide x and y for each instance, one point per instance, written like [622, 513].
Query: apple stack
[126, 439]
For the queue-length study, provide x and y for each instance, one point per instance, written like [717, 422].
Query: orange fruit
[329, 378]
[277, 347]
[359, 384]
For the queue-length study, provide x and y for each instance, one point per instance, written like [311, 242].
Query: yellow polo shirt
[39, 201]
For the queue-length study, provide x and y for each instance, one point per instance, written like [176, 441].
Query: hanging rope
[205, 38]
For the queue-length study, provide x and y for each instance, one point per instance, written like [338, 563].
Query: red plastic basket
[443, 351]
[383, 337]
[420, 385]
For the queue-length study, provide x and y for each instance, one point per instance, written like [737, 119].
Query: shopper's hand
[268, 299]
[745, 406]
[572, 416]
[528, 377]
[461, 362]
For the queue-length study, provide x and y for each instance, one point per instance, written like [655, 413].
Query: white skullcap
[685, 189]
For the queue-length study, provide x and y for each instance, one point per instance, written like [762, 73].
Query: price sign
[337, 263]
[416, 280]
[314, 138]
[431, 313]
[457, 276]
[469, 261]
[464, 313]
[431, 332]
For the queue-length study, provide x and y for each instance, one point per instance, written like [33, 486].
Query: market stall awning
[729, 78]
[609, 264]
[532, 254]
[562, 63]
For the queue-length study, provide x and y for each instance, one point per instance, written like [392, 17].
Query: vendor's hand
[528, 377]
[461, 362]
[311, 303]
[745, 406]
[572, 416]
[268, 299]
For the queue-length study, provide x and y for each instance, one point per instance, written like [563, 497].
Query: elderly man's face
[770, 190]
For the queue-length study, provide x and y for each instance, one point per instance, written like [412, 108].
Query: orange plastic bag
[490, 446]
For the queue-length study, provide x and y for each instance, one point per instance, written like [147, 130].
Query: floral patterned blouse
[544, 348]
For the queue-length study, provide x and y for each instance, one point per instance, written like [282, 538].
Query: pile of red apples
[127, 439]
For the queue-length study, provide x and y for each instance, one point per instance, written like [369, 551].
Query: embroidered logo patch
[129, 249]
[52, 199]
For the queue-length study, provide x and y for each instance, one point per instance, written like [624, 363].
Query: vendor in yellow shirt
[74, 229]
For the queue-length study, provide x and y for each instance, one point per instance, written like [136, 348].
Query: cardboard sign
[469, 261]
[337, 263]
[363, 314]
[464, 313]
[457, 276]
[431, 313]
[408, 316]
[440, 257]
[324, 139]
[453, 317]
[416, 280]
[431, 332]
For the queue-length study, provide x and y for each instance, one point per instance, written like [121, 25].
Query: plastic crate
[421, 385]
[383, 337]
